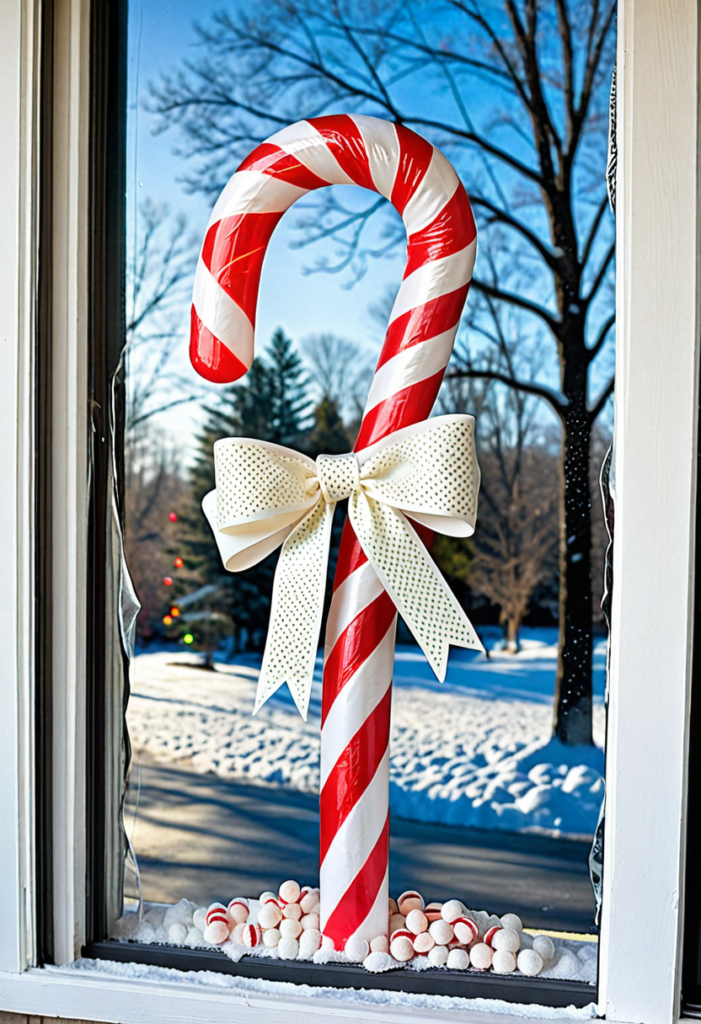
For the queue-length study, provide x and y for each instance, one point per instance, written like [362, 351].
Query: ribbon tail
[413, 580]
[296, 610]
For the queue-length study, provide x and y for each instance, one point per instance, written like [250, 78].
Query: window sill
[101, 993]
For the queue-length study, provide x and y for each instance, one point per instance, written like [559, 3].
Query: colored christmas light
[188, 638]
[178, 563]
[175, 612]
[168, 581]
[173, 517]
[167, 620]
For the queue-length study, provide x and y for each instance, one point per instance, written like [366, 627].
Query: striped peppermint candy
[359, 651]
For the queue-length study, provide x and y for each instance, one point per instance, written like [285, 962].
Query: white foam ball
[416, 921]
[289, 891]
[379, 962]
[507, 939]
[544, 947]
[438, 956]
[402, 948]
[458, 959]
[199, 918]
[179, 913]
[309, 942]
[424, 943]
[269, 916]
[380, 944]
[529, 963]
[481, 956]
[271, 937]
[290, 929]
[327, 944]
[194, 937]
[356, 949]
[217, 933]
[288, 948]
[452, 910]
[503, 961]
[442, 932]
[310, 921]
[292, 911]
[309, 901]
[512, 921]
[177, 933]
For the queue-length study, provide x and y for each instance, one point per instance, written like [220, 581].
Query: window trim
[657, 363]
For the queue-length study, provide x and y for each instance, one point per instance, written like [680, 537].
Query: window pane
[495, 775]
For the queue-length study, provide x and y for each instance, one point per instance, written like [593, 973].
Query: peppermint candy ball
[392, 906]
[289, 891]
[423, 943]
[512, 921]
[416, 921]
[269, 915]
[310, 921]
[410, 900]
[433, 912]
[271, 937]
[380, 944]
[396, 921]
[503, 961]
[356, 949]
[465, 930]
[217, 933]
[238, 910]
[529, 963]
[402, 948]
[481, 956]
[251, 935]
[438, 956]
[507, 939]
[458, 960]
[488, 936]
[452, 910]
[289, 928]
[293, 911]
[442, 932]
[309, 901]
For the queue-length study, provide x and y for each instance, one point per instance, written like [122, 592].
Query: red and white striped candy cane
[424, 188]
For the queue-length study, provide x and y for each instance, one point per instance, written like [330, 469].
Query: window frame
[655, 470]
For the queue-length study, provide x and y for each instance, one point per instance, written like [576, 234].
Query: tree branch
[503, 217]
[601, 273]
[518, 300]
[601, 337]
[557, 401]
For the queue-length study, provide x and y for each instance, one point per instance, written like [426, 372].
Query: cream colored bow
[267, 495]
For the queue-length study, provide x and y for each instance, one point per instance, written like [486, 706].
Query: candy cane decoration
[359, 652]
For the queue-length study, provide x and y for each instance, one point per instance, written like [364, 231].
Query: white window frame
[656, 411]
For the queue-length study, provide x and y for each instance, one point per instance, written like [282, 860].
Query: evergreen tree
[271, 404]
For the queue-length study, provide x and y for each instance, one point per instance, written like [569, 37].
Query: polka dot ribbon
[267, 496]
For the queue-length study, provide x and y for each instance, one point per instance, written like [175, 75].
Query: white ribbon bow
[267, 495]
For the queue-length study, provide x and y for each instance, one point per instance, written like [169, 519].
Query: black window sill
[465, 984]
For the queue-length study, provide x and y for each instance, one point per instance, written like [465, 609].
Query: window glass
[495, 775]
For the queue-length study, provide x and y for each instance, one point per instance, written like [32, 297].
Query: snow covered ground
[474, 751]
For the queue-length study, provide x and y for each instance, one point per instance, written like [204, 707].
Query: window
[658, 376]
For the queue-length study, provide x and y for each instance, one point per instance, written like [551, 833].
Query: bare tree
[516, 93]
[336, 368]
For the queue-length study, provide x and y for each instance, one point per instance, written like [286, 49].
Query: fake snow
[475, 751]
[243, 987]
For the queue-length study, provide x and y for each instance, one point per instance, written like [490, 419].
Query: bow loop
[268, 495]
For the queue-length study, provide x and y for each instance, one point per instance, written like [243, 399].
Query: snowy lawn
[474, 751]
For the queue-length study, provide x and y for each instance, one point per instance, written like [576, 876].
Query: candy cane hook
[359, 652]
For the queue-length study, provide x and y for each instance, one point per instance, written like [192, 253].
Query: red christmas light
[178, 563]
[168, 581]
[175, 612]
[173, 518]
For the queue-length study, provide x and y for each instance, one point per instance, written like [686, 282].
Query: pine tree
[271, 404]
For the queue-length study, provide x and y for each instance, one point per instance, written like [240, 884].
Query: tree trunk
[573, 687]
[512, 634]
